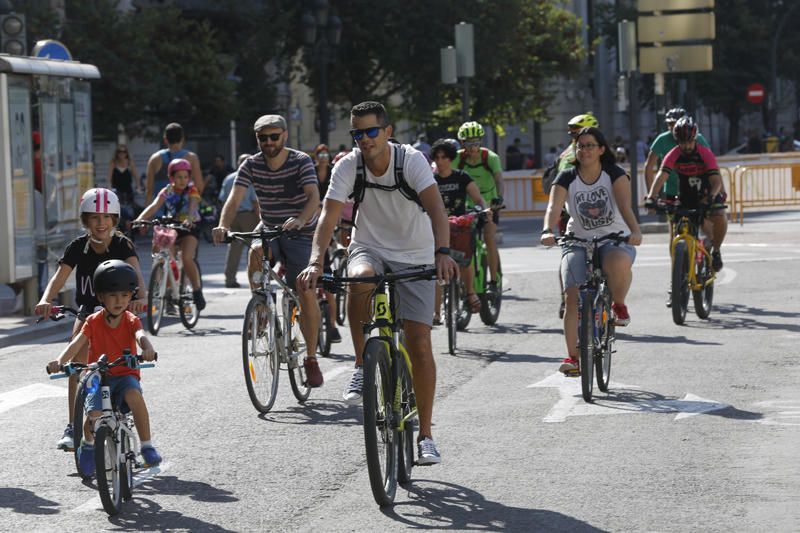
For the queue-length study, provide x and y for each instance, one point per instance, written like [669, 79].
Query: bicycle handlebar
[265, 233]
[333, 283]
[102, 364]
[617, 237]
[165, 222]
[59, 312]
[674, 207]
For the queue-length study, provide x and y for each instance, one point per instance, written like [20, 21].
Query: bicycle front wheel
[586, 342]
[77, 425]
[128, 459]
[297, 372]
[188, 311]
[408, 403]
[493, 297]
[324, 337]
[108, 470]
[339, 268]
[680, 283]
[260, 355]
[380, 436]
[606, 328]
[704, 297]
[156, 299]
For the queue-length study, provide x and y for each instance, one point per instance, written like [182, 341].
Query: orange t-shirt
[103, 339]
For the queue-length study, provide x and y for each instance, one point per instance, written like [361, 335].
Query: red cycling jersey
[694, 170]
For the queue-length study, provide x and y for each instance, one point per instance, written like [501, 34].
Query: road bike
[595, 316]
[116, 441]
[488, 290]
[691, 261]
[271, 336]
[169, 286]
[390, 406]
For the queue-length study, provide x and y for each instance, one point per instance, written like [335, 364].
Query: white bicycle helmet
[100, 201]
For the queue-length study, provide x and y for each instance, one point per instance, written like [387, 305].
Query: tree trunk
[734, 114]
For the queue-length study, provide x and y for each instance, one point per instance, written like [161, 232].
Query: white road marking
[94, 504]
[19, 397]
[725, 276]
[571, 402]
[787, 414]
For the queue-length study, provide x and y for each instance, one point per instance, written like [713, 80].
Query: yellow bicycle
[390, 406]
[691, 261]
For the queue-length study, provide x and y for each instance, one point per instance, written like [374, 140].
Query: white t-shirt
[592, 207]
[395, 227]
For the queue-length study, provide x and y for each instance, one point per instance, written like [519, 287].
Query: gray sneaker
[428, 454]
[353, 391]
[66, 441]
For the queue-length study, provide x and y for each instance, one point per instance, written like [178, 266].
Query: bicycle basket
[164, 237]
[461, 238]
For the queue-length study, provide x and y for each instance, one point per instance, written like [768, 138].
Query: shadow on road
[437, 505]
[738, 316]
[142, 514]
[665, 339]
[196, 490]
[507, 328]
[636, 400]
[493, 356]
[315, 412]
[26, 502]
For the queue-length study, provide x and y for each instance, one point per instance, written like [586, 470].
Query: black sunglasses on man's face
[264, 137]
[370, 132]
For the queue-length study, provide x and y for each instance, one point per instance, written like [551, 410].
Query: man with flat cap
[286, 187]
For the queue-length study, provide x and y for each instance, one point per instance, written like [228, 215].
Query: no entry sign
[755, 93]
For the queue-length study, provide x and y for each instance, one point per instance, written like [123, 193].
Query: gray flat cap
[270, 121]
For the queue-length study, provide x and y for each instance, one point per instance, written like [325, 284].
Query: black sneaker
[232, 284]
[335, 336]
[199, 301]
[716, 261]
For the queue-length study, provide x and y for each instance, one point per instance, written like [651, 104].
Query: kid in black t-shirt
[454, 186]
[99, 211]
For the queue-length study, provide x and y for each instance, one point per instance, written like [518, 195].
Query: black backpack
[400, 183]
[549, 176]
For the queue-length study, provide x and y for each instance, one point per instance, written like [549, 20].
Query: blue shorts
[573, 261]
[119, 386]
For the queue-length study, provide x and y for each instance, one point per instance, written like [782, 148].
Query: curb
[24, 334]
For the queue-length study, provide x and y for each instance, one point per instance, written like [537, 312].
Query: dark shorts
[293, 253]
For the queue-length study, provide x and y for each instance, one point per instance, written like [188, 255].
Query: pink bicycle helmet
[178, 164]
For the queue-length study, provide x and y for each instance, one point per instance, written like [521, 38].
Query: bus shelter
[45, 165]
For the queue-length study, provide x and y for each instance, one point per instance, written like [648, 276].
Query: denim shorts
[415, 299]
[573, 261]
[119, 386]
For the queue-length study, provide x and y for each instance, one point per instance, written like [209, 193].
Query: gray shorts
[573, 261]
[415, 299]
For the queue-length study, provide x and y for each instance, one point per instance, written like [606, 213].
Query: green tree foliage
[156, 66]
[391, 47]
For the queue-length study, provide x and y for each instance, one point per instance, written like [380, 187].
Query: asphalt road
[699, 431]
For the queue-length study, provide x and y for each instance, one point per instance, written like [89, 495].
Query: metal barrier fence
[767, 185]
[748, 186]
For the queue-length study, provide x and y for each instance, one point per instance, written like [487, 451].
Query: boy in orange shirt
[110, 331]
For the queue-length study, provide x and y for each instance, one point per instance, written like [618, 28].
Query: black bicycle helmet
[115, 276]
[685, 129]
[675, 113]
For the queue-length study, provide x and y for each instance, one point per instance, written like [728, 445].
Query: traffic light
[12, 34]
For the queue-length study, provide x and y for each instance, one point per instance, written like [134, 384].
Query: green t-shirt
[481, 175]
[661, 147]
[567, 158]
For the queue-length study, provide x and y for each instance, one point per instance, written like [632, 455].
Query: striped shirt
[280, 192]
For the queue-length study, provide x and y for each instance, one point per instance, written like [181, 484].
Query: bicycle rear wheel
[464, 314]
[188, 309]
[493, 297]
[260, 355]
[606, 348]
[381, 440]
[408, 403]
[108, 470]
[586, 342]
[452, 297]
[324, 337]
[156, 300]
[704, 297]
[680, 283]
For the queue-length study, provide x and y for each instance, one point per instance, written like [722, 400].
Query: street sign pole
[626, 32]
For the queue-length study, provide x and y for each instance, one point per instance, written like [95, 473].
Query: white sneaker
[66, 442]
[353, 391]
[428, 454]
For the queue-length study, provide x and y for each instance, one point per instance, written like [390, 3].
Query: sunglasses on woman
[370, 132]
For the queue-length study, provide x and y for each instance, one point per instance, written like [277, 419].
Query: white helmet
[100, 201]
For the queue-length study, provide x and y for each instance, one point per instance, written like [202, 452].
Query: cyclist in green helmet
[483, 166]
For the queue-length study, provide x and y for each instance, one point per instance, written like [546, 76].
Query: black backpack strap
[400, 178]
